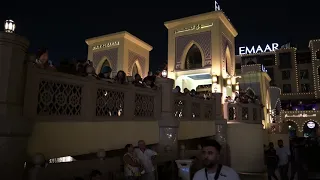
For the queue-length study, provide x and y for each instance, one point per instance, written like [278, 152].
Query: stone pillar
[221, 137]
[14, 129]
[221, 129]
[168, 125]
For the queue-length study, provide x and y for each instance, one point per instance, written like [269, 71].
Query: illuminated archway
[228, 63]
[103, 62]
[192, 57]
[136, 69]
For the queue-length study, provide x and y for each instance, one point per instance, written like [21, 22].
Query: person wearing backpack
[213, 170]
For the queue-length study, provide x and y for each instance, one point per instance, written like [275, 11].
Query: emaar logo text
[258, 49]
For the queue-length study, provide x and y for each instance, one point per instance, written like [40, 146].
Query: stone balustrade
[187, 108]
[54, 96]
[70, 105]
[242, 112]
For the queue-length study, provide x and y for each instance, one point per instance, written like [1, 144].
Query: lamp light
[214, 79]
[229, 82]
[164, 73]
[9, 26]
[235, 87]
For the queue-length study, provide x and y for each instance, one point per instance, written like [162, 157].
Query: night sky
[63, 27]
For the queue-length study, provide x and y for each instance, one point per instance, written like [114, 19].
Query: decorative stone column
[168, 125]
[14, 129]
[221, 128]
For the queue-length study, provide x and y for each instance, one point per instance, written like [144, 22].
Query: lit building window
[286, 88]
[286, 75]
[304, 74]
[305, 87]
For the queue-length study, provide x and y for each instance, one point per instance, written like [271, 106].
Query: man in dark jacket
[271, 161]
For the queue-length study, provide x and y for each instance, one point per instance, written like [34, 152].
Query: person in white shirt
[283, 154]
[146, 158]
[213, 170]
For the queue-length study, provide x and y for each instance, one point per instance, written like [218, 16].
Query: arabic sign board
[106, 45]
[300, 115]
[258, 49]
[194, 27]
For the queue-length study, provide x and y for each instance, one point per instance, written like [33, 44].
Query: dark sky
[63, 26]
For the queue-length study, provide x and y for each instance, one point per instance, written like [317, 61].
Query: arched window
[193, 58]
[135, 70]
[228, 61]
[105, 63]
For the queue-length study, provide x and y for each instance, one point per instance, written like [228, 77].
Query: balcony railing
[54, 96]
[242, 112]
[192, 108]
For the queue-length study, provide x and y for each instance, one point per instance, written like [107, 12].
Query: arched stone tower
[199, 47]
[120, 51]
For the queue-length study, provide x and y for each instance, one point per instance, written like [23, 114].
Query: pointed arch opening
[102, 63]
[136, 69]
[228, 60]
[193, 58]
[106, 63]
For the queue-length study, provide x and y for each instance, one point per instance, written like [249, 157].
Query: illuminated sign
[194, 27]
[300, 115]
[216, 6]
[109, 44]
[258, 49]
[311, 124]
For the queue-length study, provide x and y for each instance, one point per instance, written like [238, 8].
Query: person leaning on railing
[42, 60]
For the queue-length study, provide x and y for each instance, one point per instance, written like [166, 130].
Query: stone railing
[53, 96]
[193, 108]
[241, 112]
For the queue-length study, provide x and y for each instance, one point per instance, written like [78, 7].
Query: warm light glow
[237, 87]
[164, 73]
[214, 79]
[9, 26]
[229, 82]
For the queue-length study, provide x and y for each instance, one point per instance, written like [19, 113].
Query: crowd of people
[281, 158]
[86, 68]
[207, 95]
